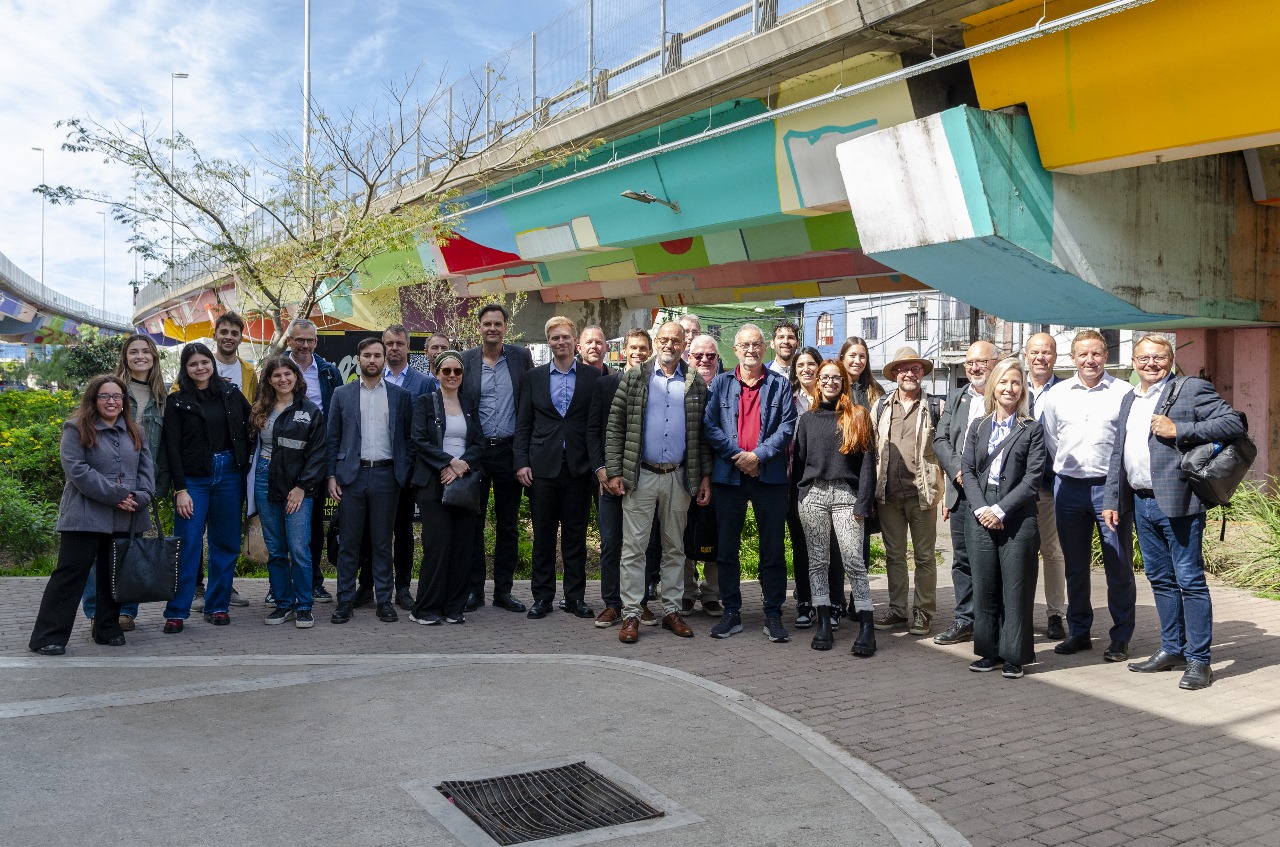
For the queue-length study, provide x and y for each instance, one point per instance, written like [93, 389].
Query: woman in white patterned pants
[835, 461]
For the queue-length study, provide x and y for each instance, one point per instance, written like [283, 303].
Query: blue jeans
[218, 503]
[769, 502]
[1173, 559]
[90, 597]
[1077, 505]
[288, 540]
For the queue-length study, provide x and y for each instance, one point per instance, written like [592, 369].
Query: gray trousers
[897, 518]
[369, 501]
[660, 496]
[829, 505]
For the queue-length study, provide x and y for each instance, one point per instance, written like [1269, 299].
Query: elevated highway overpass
[33, 312]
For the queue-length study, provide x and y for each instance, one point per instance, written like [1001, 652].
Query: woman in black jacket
[285, 475]
[208, 444]
[835, 462]
[447, 439]
[1003, 469]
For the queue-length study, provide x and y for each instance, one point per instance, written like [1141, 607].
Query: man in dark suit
[369, 462]
[1041, 355]
[398, 372]
[964, 405]
[1145, 478]
[492, 375]
[552, 460]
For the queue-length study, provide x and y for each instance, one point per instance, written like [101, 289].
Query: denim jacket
[777, 425]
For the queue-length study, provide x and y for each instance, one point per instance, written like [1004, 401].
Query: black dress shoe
[539, 609]
[1074, 644]
[1161, 661]
[49, 650]
[341, 613]
[1199, 675]
[1055, 631]
[364, 596]
[1117, 651]
[404, 599]
[387, 613]
[506, 601]
[113, 641]
[954, 634]
[473, 602]
[579, 609]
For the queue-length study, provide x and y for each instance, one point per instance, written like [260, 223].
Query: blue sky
[112, 60]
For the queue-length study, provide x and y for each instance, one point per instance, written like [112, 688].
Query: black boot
[865, 644]
[823, 639]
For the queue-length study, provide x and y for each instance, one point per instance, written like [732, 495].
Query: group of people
[1023, 464]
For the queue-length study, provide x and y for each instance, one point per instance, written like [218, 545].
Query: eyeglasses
[665, 340]
[1147, 360]
[703, 357]
[450, 372]
[830, 378]
[750, 345]
[973, 364]
[915, 370]
[111, 398]
[303, 340]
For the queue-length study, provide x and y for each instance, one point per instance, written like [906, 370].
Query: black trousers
[560, 506]
[496, 462]
[401, 544]
[961, 571]
[367, 509]
[1004, 567]
[447, 535]
[77, 552]
[318, 527]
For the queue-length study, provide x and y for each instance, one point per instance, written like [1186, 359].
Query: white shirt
[1137, 452]
[1080, 425]
[375, 422]
[232, 373]
[977, 408]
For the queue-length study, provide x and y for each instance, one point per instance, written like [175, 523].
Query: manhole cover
[570, 800]
[545, 803]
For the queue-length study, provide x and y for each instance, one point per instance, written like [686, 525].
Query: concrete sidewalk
[1077, 752]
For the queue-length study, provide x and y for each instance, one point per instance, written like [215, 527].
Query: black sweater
[817, 456]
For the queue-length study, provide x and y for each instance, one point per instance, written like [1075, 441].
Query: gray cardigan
[100, 477]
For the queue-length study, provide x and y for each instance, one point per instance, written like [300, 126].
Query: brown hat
[906, 356]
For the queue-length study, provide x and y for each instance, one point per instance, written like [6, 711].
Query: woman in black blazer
[1002, 467]
[448, 442]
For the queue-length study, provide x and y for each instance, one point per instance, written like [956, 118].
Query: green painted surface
[564, 271]
[396, 268]
[724, 247]
[777, 241]
[955, 128]
[1232, 310]
[654, 258]
[832, 232]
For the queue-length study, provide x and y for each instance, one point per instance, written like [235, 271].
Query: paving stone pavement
[1077, 752]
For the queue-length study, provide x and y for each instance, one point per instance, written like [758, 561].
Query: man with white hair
[704, 356]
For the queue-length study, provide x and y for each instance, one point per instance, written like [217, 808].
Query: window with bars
[917, 326]
[871, 328]
[826, 330]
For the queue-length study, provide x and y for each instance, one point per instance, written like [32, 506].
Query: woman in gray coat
[110, 479]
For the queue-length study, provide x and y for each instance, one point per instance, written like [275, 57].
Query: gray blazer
[100, 477]
[343, 437]
[948, 440]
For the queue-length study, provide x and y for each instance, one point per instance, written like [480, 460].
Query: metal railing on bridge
[46, 299]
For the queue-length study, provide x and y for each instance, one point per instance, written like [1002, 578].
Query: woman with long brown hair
[855, 360]
[284, 477]
[110, 478]
[835, 460]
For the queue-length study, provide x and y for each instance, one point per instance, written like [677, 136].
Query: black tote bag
[145, 569]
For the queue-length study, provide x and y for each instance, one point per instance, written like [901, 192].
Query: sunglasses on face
[702, 357]
[451, 371]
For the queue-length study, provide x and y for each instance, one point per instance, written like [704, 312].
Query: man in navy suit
[1041, 355]
[1145, 478]
[369, 462]
[552, 460]
[491, 377]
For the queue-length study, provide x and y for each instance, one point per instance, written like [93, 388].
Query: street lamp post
[173, 155]
[40, 150]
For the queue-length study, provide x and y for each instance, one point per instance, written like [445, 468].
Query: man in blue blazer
[369, 462]
[491, 377]
[749, 421]
[1146, 478]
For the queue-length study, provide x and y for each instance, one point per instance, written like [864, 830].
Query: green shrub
[22, 408]
[27, 526]
[1250, 557]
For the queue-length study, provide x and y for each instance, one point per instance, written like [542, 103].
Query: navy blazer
[1201, 416]
[343, 436]
[601, 401]
[1021, 468]
[948, 439]
[777, 426]
[428, 439]
[519, 362]
[417, 383]
[545, 439]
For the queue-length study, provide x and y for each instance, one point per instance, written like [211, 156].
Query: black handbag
[700, 534]
[1214, 470]
[466, 492]
[144, 569]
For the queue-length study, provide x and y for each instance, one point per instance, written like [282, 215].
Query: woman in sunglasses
[110, 480]
[448, 440]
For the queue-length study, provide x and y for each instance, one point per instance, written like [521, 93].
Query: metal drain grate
[521, 807]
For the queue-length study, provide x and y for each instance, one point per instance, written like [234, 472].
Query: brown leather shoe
[646, 615]
[630, 632]
[126, 623]
[676, 624]
[608, 617]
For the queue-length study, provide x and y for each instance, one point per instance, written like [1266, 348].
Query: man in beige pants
[1041, 354]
